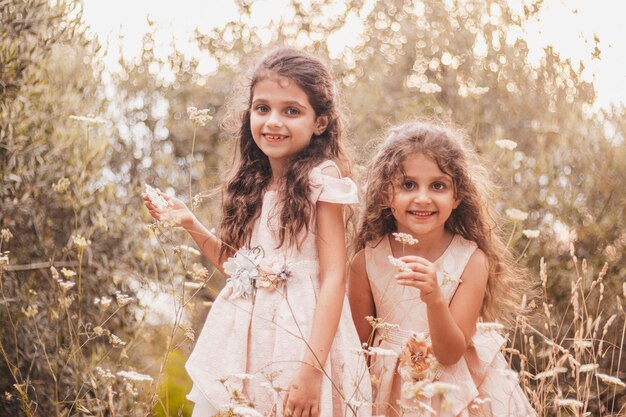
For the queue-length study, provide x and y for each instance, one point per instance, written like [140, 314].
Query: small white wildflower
[516, 215]
[198, 272]
[90, 119]
[61, 186]
[135, 376]
[580, 343]
[444, 278]
[6, 234]
[66, 302]
[610, 380]
[377, 351]
[401, 266]
[103, 302]
[115, 341]
[122, 299]
[187, 249]
[417, 389]
[405, 238]
[106, 374]
[550, 373]
[65, 285]
[430, 88]
[588, 367]
[98, 331]
[568, 402]
[506, 144]
[31, 311]
[199, 117]
[189, 333]
[54, 273]
[130, 389]
[530, 233]
[387, 326]
[68, 273]
[477, 402]
[81, 242]
[489, 326]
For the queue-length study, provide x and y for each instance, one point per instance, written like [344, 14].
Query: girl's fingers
[408, 281]
[314, 411]
[287, 406]
[414, 276]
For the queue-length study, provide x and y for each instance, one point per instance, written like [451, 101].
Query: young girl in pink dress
[429, 268]
[279, 338]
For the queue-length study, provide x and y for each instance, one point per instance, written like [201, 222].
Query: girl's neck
[429, 247]
[278, 172]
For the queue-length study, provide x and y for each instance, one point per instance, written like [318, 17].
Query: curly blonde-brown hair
[472, 219]
[243, 192]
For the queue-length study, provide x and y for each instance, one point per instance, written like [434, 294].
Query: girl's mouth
[422, 214]
[274, 138]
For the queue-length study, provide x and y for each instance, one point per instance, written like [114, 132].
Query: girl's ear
[321, 123]
[457, 202]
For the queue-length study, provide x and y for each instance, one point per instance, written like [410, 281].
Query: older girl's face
[282, 119]
[424, 198]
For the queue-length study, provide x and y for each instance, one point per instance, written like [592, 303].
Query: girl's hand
[303, 397]
[176, 211]
[423, 276]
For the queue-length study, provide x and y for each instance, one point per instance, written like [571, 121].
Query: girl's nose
[274, 120]
[422, 196]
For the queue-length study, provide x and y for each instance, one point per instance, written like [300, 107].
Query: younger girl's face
[282, 119]
[423, 199]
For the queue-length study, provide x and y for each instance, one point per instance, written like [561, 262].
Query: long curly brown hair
[243, 192]
[472, 219]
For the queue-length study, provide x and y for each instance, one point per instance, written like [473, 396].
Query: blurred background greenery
[63, 179]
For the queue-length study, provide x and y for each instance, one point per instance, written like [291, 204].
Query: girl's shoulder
[328, 167]
[377, 251]
[328, 185]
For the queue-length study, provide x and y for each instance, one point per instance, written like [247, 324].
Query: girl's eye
[408, 185]
[438, 186]
[292, 111]
[262, 108]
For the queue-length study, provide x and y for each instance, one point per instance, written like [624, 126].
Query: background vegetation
[91, 293]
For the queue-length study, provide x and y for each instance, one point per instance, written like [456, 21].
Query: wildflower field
[99, 307]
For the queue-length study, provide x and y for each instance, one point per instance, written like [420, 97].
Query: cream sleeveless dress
[484, 384]
[255, 349]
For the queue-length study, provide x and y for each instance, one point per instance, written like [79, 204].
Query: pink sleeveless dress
[255, 348]
[483, 385]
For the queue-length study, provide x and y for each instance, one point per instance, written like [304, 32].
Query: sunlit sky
[568, 25]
